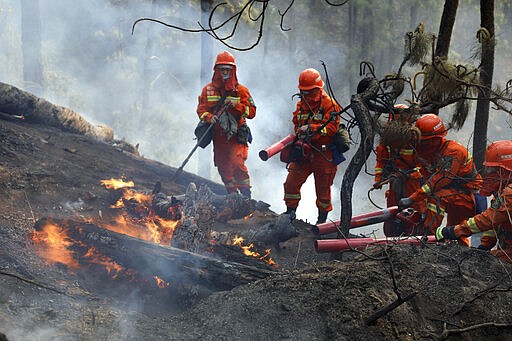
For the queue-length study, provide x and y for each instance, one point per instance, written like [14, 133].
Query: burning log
[17, 102]
[148, 259]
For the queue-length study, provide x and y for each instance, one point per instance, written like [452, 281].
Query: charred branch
[359, 104]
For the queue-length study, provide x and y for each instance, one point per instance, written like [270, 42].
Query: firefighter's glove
[214, 119]
[377, 185]
[484, 247]
[404, 203]
[445, 233]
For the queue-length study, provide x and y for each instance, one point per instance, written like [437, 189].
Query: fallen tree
[149, 259]
[15, 101]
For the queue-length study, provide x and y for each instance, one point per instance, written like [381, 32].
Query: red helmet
[431, 126]
[499, 154]
[310, 79]
[225, 58]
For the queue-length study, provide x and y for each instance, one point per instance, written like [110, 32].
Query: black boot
[291, 211]
[322, 217]
[246, 192]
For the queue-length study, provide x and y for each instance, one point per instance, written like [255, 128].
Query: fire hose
[375, 217]
[338, 245]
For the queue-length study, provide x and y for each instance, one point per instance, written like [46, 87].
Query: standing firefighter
[450, 176]
[315, 129]
[227, 104]
[497, 219]
[397, 162]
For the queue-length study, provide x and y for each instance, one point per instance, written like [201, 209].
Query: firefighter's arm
[295, 119]
[498, 214]
[242, 106]
[380, 162]
[203, 111]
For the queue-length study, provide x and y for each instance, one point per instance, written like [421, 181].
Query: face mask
[226, 75]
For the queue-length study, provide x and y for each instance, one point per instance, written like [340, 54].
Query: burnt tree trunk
[446, 28]
[150, 259]
[486, 74]
[14, 101]
[364, 122]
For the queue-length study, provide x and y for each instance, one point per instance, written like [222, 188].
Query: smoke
[145, 85]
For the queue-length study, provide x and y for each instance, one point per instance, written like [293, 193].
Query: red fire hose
[265, 154]
[358, 221]
[338, 245]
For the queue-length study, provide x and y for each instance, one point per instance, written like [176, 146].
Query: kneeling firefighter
[497, 219]
[316, 123]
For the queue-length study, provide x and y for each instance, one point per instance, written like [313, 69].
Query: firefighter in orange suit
[450, 176]
[227, 104]
[497, 219]
[312, 112]
[397, 163]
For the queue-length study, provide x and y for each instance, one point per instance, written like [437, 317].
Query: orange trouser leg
[297, 176]
[222, 157]
[240, 171]
[324, 173]
[458, 205]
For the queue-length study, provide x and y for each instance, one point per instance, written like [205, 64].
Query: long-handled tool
[179, 171]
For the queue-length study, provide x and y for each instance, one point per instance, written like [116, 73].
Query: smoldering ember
[98, 242]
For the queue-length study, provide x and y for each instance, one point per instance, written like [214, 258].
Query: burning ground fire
[134, 217]
[247, 250]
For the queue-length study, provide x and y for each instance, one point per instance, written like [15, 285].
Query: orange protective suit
[229, 154]
[495, 221]
[320, 161]
[402, 167]
[451, 180]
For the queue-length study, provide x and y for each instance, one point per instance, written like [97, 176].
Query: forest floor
[441, 290]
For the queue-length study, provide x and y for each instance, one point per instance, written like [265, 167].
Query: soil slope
[448, 291]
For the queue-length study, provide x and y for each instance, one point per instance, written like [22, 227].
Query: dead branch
[23, 279]
[378, 314]
[447, 332]
[491, 288]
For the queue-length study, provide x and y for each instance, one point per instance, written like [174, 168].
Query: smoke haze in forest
[145, 85]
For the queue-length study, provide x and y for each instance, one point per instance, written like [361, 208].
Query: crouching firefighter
[497, 219]
[316, 123]
[227, 104]
[451, 179]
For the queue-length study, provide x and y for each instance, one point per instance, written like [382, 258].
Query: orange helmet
[225, 58]
[499, 154]
[431, 126]
[310, 79]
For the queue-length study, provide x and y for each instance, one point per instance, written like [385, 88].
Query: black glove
[446, 232]
[483, 247]
[404, 203]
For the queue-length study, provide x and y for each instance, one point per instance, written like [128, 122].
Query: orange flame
[251, 253]
[160, 282]
[56, 244]
[116, 183]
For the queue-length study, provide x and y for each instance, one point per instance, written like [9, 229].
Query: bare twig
[447, 332]
[34, 283]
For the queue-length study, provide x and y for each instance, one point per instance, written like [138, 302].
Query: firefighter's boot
[291, 212]
[322, 217]
[246, 192]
